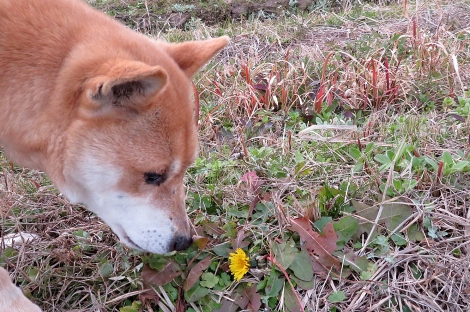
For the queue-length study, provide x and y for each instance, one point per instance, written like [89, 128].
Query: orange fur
[98, 107]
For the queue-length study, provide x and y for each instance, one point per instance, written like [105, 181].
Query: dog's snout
[181, 243]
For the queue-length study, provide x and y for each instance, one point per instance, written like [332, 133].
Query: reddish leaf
[239, 241]
[149, 296]
[247, 298]
[319, 99]
[212, 228]
[36, 184]
[252, 180]
[228, 306]
[322, 245]
[151, 277]
[260, 86]
[180, 302]
[196, 272]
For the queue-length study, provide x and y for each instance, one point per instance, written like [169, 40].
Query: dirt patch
[175, 13]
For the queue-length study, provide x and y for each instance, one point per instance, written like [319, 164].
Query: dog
[11, 297]
[105, 112]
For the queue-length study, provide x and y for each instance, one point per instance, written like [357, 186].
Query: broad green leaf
[135, 307]
[460, 165]
[447, 158]
[290, 300]
[399, 239]
[371, 269]
[302, 266]
[431, 162]
[356, 263]
[208, 280]
[222, 250]
[337, 296]
[33, 273]
[355, 153]
[345, 227]
[299, 158]
[224, 279]
[196, 292]
[393, 214]
[320, 223]
[157, 262]
[414, 234]
[106, 269]
[358, 167]
[274, 285]
[306, 285]
[285, 253]
[383, 159]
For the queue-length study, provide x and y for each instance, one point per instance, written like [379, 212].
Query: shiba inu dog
[106, 112]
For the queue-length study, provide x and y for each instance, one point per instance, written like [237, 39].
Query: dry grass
[269, 84]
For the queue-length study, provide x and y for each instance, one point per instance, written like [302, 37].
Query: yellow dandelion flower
[239, 264]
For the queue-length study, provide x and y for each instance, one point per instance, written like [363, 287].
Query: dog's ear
[126, 84]
[192, 55]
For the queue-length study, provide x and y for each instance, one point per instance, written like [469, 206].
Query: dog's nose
[180, 243]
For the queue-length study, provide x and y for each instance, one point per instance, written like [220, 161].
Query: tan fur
[11, 297]
[96, 106]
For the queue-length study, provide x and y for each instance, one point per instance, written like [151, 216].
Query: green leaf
[274, 285]
[358, 167]
[345, 227]
[447, 158]
[460, 166]
[221, 250]
[320, 223]
[299, 158]
[371, 269]
[285, 253]
[431, 162]
[414, 234]
[393, 214]
[383, 159]
[224, 279]
[399, 239]
[302, 266]
[33, 273]
[356, 263]
[196, 292]
[417, 273]
[337, 296]
[135, 307]
[157, 262]
[290, 300]
[106, 269]
[355, 153]
[306, 285]
[209, 280]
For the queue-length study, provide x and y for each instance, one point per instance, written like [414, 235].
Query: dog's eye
[153, 178]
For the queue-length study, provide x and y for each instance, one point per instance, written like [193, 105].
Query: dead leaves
[321, 246]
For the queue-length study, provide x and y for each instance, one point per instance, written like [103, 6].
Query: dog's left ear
[192, 55]
[125, 84]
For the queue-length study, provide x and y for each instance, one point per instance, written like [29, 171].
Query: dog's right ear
[192, 55]
[128, 85]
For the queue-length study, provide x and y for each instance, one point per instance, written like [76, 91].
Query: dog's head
[134, 137]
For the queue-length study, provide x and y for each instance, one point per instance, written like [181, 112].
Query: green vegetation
[334, 153]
